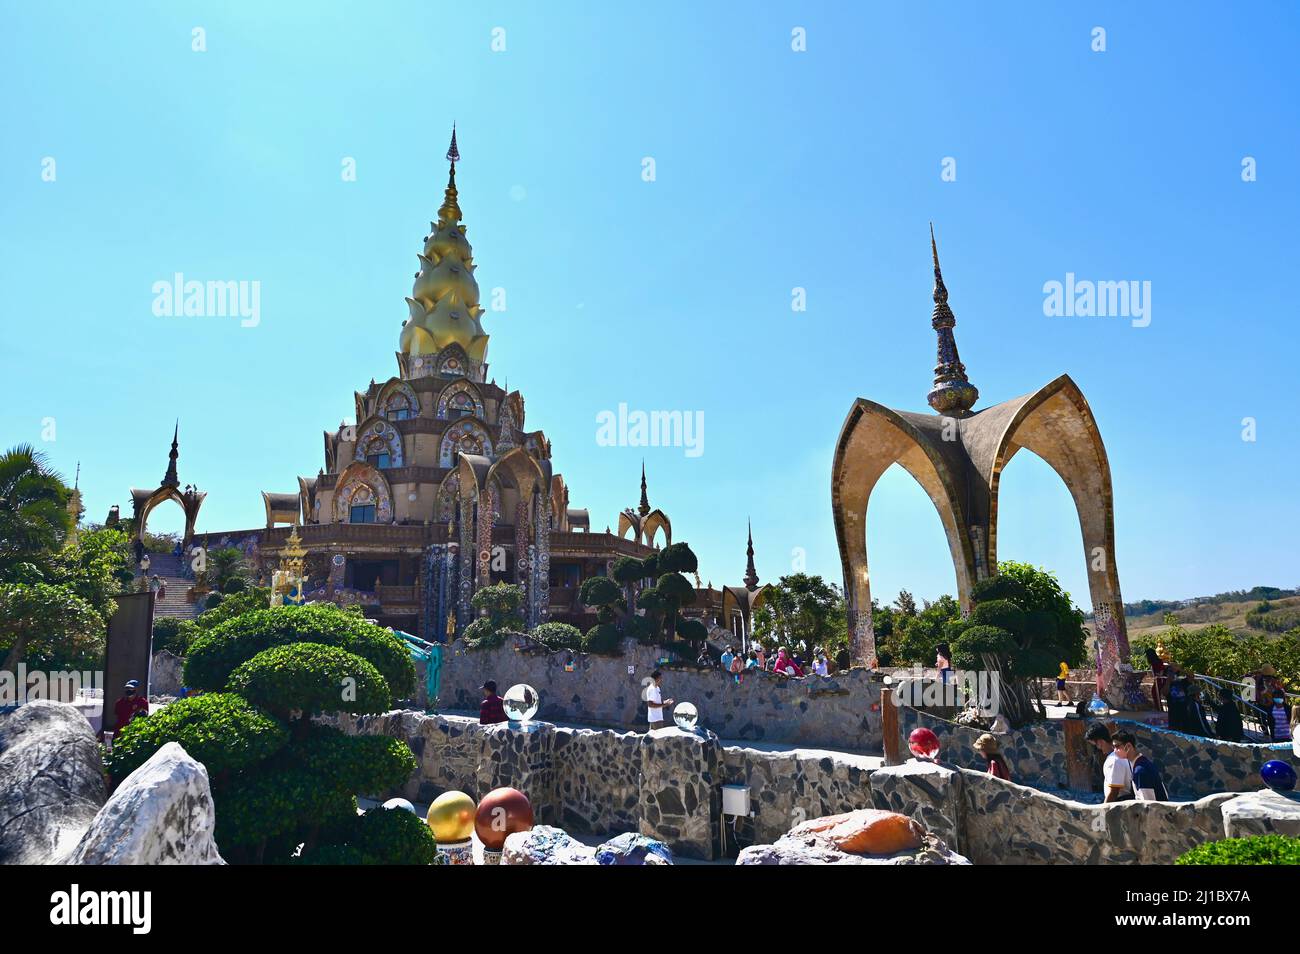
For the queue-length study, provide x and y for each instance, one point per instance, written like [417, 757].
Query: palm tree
[34, 516]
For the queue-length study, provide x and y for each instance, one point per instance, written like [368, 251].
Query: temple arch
[467, 436]
[460, 399]
[378, 439]
[363, 495]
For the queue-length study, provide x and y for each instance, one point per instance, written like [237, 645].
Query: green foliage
[49, 626]
[1252, 850]
[96, 567]
[1273, 619]
[379, 837]
[628, 570]
[557, 636]
[228, 606]
[214, 655]
[368, 764]
[912, 640]
[641, 629]
[693, 631]
[678, 558]
[604, 639]
[599, 591]
[501, 602]
[312, 678]
[34, 517]
[173, 634]
[221, 730]
[1001, 613]
[803, 612]
[480, 634]
[226, 571]
[676, 589]
[1219, 652]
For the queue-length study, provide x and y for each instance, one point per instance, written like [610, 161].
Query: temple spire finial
[751, 574]
[644, 508]
[450, 213]
[952, 393]
[171, 480]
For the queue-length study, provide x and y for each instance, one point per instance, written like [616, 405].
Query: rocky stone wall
[788, 788]
[840, 712]
[1192, 767]
[665, 784]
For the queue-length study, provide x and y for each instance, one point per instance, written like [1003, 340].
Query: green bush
[558, 636]
[599, 591]
[221, 730]
[693, 631]
[312, 678]
[1000, 613]
[640, 629]
[369, 764]
[274, 802]
[173, 634]
[603, 638]
[214, 600]
[215, 655]
[1253, 850]
[382, 836]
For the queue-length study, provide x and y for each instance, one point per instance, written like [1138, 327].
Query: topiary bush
[1252, 850]
[280, 781]
[311, 678]
[214, 655]
[603, 639]
[221, 730]
[382, 836]
[557, 636]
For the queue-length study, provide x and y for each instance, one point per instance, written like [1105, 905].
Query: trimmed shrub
[312, 678]
[558, 636]
[677, 557]
[1000, 613]
[603, 638]
[172, 634]
[693, 631]
[599, 591]
[215, 655]
[1253, 850]
[381, 836]
[221, 730]
[640, 629]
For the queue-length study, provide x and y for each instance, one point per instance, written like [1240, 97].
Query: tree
[34, 517]
[1021, 627]
[226, 570]
[912, 640]
[52, 624]
[499, 604]
[285, 786]
[905, 603]
[628, 572]
[804, 612]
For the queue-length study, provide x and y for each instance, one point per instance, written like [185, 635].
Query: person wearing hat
[490, 710]
[130, 705]
[987, 747]
[1116, 773]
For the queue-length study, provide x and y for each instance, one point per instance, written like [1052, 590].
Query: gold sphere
[451, 817]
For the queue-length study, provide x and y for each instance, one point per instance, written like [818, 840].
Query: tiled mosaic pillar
[486, 515]
[465, 559]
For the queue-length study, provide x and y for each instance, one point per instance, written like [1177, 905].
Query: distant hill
[1262, 609]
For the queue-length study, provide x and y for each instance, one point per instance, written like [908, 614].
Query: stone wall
[596, 781]
[841, 711]
[1192, 767]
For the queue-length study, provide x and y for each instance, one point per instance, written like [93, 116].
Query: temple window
[362, 513]
[381, 459]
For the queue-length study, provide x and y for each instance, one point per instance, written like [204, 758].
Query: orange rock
[868, 831]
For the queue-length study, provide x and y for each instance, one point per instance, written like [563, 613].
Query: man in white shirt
[655, 701]
[1116, 772]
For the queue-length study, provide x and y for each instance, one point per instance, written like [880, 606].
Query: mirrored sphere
[520, 702]
[685, 715]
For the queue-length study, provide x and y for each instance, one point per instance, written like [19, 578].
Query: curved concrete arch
[522, 470]
[1056, 424]
[873, 439]
[381, 429]
[653, 522]
[394, 386]
[629, 521]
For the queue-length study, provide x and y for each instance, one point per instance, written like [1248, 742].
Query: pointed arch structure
[958, 460]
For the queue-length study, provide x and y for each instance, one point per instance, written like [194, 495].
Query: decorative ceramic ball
[520, 702]
[685, 715]
[400, 803]
[923, 743]
[1098, 706]
[1278, 775]
[451, 817]
[502, 812]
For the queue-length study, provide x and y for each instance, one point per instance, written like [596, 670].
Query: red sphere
[502, 812]
[923, 743]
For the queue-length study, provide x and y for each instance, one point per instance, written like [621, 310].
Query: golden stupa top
[444, 304]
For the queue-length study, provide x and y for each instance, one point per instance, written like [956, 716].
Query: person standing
[987, 747]
[1148, 786]
[1116, 773]
[727, 656]
[737, 667]
[129, 705]
[1159, 678]
[761, 655]
[655, 701]
[1227, 722]
[491, 711]
[943, 661]
[1280, 718]
[820, 666]
[1062, 696]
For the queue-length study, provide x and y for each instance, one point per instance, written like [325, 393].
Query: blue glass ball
[1278, 775]
[1098, 706]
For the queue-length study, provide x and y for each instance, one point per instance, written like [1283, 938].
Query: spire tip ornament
[952, 393]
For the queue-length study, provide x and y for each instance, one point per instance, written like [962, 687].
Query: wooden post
[889, 727]
[1078, 760]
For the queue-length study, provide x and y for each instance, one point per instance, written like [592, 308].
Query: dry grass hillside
[1229, 614]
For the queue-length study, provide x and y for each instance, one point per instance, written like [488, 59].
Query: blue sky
[775, 169]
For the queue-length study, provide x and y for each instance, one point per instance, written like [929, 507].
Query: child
[987, 747]
[1281, 719]
[1061, 695]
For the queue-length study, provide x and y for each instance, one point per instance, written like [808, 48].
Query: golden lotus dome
[444, 300]
[448, 278]
[448, 241]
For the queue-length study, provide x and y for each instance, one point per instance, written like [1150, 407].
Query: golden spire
[952, 392]
[444, 303]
